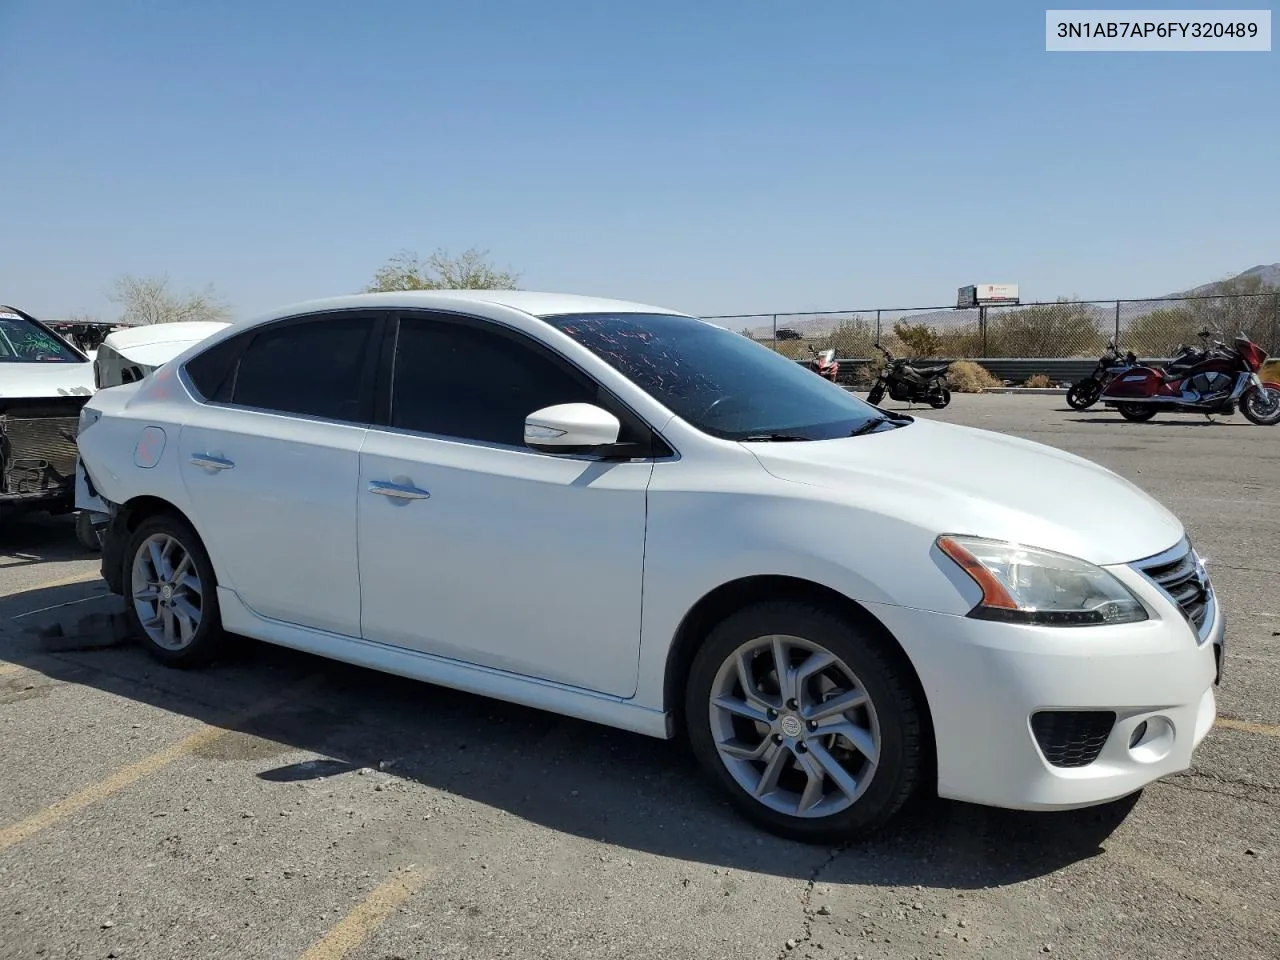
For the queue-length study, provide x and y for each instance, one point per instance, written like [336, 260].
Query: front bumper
[985, 681]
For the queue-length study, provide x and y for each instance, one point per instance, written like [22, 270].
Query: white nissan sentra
[633, 516]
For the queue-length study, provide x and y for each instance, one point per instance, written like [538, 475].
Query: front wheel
[1137, 412]
[172, 599]
[940, 399]
[806, 720]
[876, 394]
[1261, 405]
[1083, 394]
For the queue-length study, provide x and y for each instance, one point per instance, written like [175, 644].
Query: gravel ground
[279, 805]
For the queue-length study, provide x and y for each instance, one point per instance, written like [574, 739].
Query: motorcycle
[1213, 380]
[1083, 394]
[824, 364]
[907, 382]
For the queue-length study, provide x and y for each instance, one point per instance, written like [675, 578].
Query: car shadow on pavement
[565, 775]
[28, 539]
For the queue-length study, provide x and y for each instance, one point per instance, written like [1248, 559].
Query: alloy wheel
[794, 726]
[167, 592]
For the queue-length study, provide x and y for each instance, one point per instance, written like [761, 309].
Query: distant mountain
[1268, 274]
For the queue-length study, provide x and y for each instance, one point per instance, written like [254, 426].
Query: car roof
[536, 303]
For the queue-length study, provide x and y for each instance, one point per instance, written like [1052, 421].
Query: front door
[476, 548]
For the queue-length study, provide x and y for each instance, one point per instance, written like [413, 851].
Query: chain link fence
[1063, 330]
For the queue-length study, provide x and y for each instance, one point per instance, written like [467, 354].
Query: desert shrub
[1039, 380]
[1270, 371]
[965, 376]
[920, 339]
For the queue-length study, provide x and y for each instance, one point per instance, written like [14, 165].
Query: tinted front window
[719, 381]
[21, 341]
[456, 380]
[314, 368]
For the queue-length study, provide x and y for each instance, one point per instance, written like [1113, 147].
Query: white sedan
[629, 515]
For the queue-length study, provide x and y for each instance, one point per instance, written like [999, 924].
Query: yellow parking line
[1247, 726]
[353, 929]
[136, 771]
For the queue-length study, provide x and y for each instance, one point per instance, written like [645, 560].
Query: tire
[196, 640]
[1137, 412]
[876, 395]
[1262, 406]
[940, 399]
[1083, 394]
[85, 534]
[736, 752]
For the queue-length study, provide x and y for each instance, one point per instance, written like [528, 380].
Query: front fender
[698, 543]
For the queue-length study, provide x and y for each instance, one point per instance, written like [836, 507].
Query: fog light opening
[1152, 740]
[1139, 732]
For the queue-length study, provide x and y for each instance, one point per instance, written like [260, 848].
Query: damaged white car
[44, 382]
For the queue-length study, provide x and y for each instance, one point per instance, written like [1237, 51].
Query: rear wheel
[1261, 405]
[1083, 394]
[172, 599]
[1137, 412]
[876, 395]
[806, 721]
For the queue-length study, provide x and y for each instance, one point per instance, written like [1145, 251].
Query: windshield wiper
[773, 437]
[871, 425]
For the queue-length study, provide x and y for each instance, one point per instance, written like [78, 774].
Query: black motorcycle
[911, 383]
[1083, 394]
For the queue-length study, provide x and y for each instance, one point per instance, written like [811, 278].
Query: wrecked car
[44, 381]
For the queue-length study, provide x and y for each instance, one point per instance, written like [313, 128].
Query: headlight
[1027, 585]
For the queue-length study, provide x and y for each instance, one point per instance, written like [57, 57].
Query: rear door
[271, 457]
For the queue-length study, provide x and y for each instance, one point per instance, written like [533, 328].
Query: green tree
[852, 337]
[1063, 329]
[1159, 332]
[920, 339]
[145, 300]
[468, 271]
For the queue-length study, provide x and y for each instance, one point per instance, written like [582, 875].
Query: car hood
[945, 478]
[39, 380]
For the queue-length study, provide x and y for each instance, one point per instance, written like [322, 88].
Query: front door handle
[210, 462]
[399, 491]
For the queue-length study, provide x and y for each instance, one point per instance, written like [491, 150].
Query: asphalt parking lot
[279, 805]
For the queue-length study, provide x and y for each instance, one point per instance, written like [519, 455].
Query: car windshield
[21, 341]
[719, 381]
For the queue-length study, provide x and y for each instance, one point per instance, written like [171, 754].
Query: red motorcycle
[1199, 381]
[824, 364]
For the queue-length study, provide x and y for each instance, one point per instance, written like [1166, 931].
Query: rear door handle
[399, 491]
[210, 462]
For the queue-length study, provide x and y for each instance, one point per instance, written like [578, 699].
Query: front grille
[1072, 738]
[39, 453]
[1179, 574]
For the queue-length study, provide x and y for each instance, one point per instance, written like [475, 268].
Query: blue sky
[721, 156]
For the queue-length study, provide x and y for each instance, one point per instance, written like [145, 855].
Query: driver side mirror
[571, 428]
